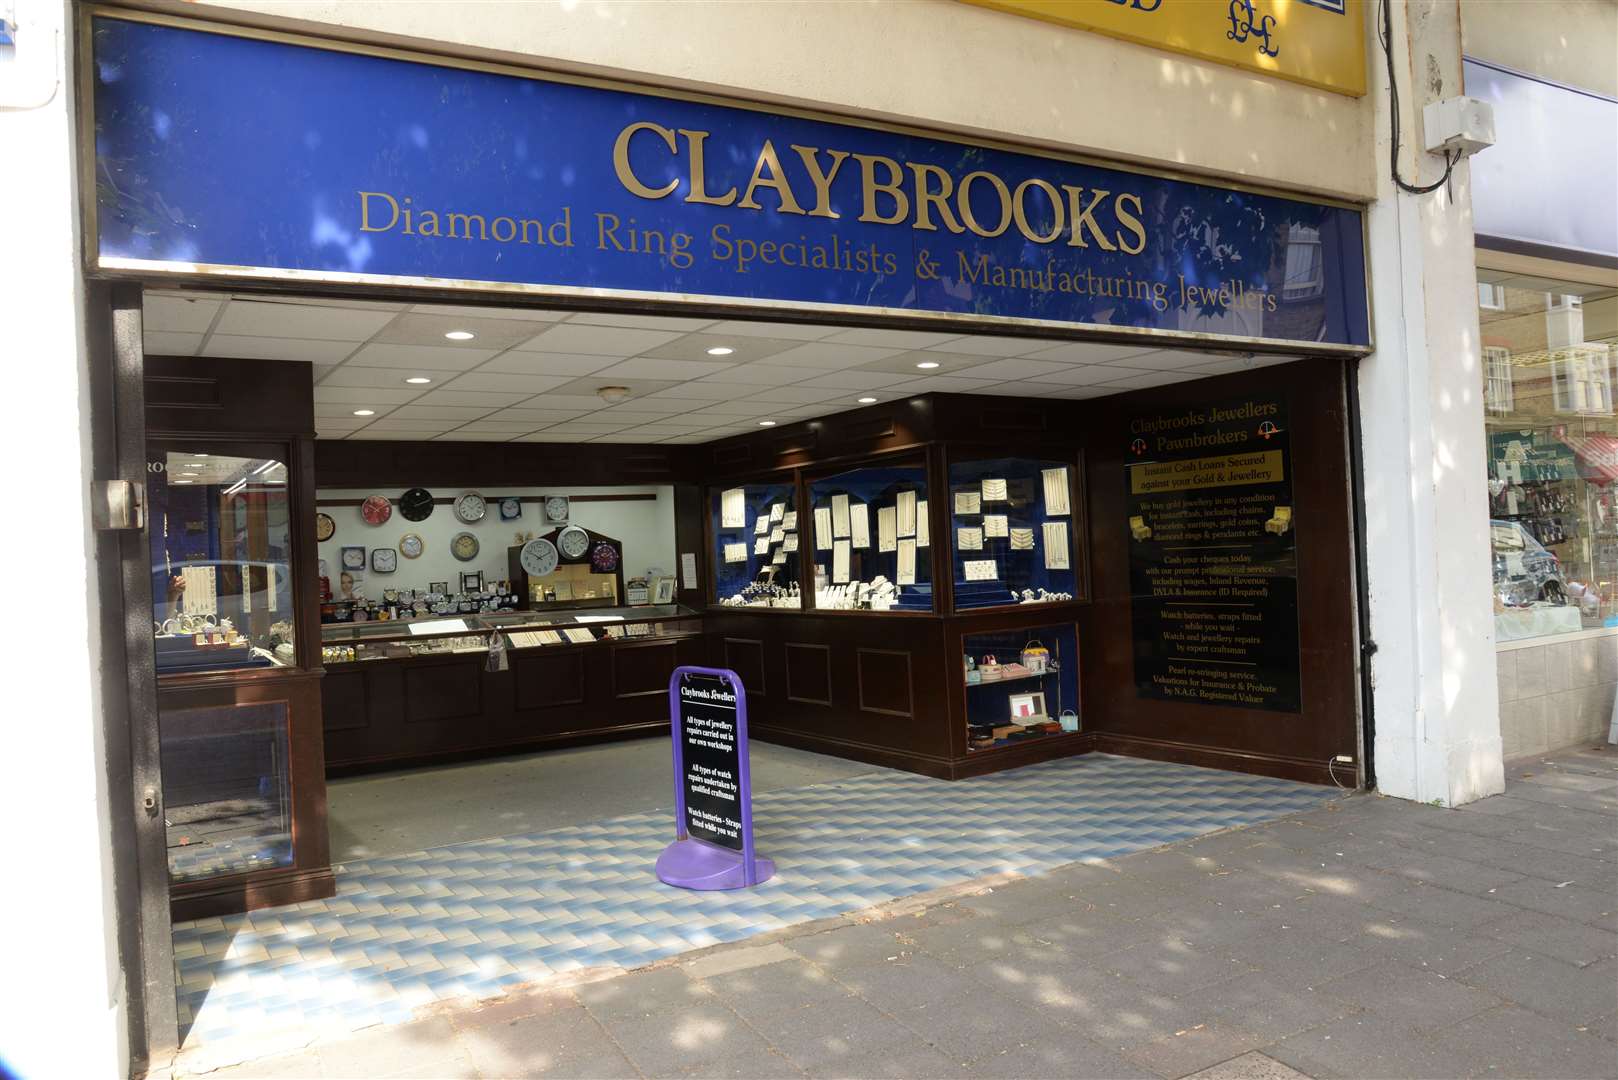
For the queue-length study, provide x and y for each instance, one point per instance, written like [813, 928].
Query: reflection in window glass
[1553, 457]
[226, 791]
[221, 544]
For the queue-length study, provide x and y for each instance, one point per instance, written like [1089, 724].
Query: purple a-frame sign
[713, 785]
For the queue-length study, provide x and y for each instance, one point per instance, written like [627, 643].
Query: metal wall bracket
[117, 504]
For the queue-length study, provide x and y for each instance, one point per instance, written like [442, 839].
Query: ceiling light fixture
[766, 423]
[612, 395]
[867, 401]
[927, 365]
[720, 350]
[183, 481]
[460, 335]
[188, 474]
[364, 412]
[418, 380]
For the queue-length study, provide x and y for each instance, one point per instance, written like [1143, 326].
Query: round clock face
[556, 508]
[573, 541]
[470, 507]
[604, 558]
[416, 504]
[353, 558]
[510, 509]
[410, 546]
[538, 557]
[384, 560]
[464, 547]
[325, 527]
[376, 509]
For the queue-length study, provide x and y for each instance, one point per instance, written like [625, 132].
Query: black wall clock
[416, 504]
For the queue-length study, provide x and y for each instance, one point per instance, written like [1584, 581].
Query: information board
[710, 757]
[1213, 568]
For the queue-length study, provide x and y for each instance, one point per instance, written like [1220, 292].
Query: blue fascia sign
[251, 157]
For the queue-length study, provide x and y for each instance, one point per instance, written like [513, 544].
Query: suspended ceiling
[532, 375]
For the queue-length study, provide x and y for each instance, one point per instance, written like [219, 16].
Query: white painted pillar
[62, 1006]
[1437, 712]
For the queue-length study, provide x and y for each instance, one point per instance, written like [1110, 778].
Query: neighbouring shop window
[756, 545]
[221, 543]
[1552, 447]
[1305, 273]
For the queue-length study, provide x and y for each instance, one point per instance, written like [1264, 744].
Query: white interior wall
[938, 63]
[646, 528]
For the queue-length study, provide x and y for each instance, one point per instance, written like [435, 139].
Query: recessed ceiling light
[720, 350]
[182, 481]
[460, 335]
[193, 464]
[418, 380]
[927, 365]
[867, 401]
[188, 474]
[364, 412]
[199, 455]
[766, 423]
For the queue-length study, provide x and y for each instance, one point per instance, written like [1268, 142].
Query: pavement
[1369, 938]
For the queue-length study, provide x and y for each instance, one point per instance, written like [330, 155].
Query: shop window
[1020, 685]
[1491, 297]
[221, 548]
[1305, 272]
[1582, 382]
[871, 540]
[1497, 390]
[756, 535]
[1012, 536]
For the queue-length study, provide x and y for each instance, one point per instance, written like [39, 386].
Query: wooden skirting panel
[264, 888]
[556, 741]
[884, 682]
[808, 673]
[853, 751]
[1049, 748]
[745, 656]
[1286, 768]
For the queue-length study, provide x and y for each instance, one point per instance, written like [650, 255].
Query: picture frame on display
[663, 590]
[472, 581]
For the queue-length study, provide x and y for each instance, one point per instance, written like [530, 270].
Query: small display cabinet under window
[1020, 685]
[871, 540]
[1012, 520]
[756, 546]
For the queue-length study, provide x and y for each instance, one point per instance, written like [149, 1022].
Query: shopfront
[474, 401]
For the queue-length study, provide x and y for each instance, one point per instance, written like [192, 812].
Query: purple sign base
[692, 864]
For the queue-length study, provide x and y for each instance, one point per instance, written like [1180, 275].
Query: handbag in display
[973, 675]
[1036, 658]
[1069, 720]
[990, 669]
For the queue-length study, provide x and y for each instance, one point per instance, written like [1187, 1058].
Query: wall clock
[376, 509]
[556, 508]
[604, 559]
[416, 504]
[464, 547]
[573, 542]
[325, 527]
[470, 507]
[353, 558]
[538, 557]
[384, 560]
[510, 508]
[410, 546]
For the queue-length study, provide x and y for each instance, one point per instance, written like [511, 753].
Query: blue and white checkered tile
[472, 920]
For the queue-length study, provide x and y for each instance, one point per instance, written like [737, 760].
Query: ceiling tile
[331, 301]
[461, 435]
[388, 423]
[328, 425]
[459, 413]
[349, 375]
[1081, 393]
[639, 322]
[535, 417]
[603, 340]
[942, 384]
[985, 345]
[798, 395]
[556, 400]
[646, 367]
[473, 311]
[685, 440]
[256, 318]
[1015, 368]
[722, 409]
[1012, 389]
[1085, 352]
[829, 357]
[1090, 375]
[624, 437]
[266, 348]
[791, 331]
[491, 398]
[589, 384]
[764, 375]
[706, 391]
[343, 410]
[585, 427]
[857, 380]
[905, 362]
[743, 349]
[679, 422]
[166, 343]
[510, 427]
[177, 314]
[369, 435]
[362, 397]
[514, 384]
[534, 363]
[1141, 379]
[891, 339]
[442, 357]
[1178, 360]
[547, 436]
[648, 406]
[421, 328]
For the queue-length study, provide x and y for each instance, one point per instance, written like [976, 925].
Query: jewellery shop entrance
[424, 541]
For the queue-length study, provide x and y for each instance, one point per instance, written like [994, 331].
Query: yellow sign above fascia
[1316, 42]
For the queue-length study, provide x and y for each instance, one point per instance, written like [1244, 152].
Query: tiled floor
[472, 920]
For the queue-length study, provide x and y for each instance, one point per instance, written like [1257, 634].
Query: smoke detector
[612, 395]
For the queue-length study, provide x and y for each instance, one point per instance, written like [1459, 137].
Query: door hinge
[117, 504]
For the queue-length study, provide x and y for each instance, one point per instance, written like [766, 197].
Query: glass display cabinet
[871, 539]
[1020, 684]
[756, 545]
[1012, 525]
[404, 639]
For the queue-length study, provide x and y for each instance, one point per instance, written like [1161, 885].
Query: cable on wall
[1385, 35]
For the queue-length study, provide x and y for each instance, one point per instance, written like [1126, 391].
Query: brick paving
[1370, 938]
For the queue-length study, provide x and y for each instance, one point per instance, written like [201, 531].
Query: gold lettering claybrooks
[924, 196]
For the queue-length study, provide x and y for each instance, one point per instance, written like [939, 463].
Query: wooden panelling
[342, 701]
[808, 673]
[745, 656]
[884, 682]
[547, 680]
[188, 395]
[643, 668]
[442, 691]
[384, 464]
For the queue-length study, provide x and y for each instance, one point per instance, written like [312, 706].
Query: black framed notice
[1213, 569]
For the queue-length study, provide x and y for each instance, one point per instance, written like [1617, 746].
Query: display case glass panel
[756, 536]
[872, 543]
[1021, 685]
[405, 638]
[1012, 533]
[221, 549]
[227, 791]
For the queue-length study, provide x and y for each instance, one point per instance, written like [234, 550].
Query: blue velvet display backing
[1024, 508]
[731, 578]
[878, 487]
